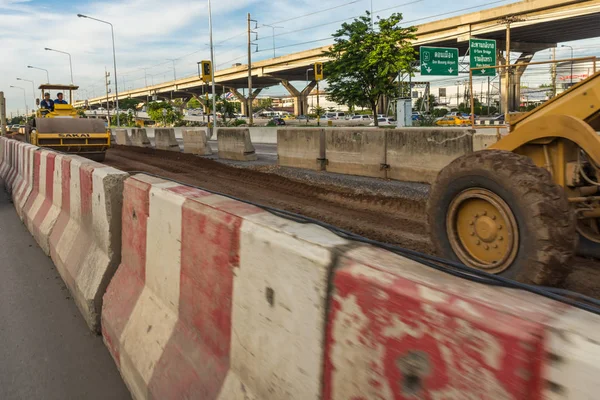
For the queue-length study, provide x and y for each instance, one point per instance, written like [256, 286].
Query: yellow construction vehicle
[63, 130]
[520, 207]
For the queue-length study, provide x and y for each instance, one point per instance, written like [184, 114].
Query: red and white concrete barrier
[400, 330]
[23, 184]
[74, 213]
[216, 299]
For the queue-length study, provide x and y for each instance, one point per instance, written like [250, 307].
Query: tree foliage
[171, 116]
[419, 106]
[194, 103]
[128, 104]
[366, 60]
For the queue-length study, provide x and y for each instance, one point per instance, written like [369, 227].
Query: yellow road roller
[59, 127]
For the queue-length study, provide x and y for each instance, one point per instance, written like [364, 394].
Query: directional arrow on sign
[483, 71]
[450, 70]
[425, 64]
[428, 69]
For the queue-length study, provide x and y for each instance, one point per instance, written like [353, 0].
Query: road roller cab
[60, 127]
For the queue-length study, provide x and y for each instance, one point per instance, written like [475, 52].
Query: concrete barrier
[195, 141]
[482, 141]
[301, 148]
[418, 154]
[359, 151]
[23, 185]
[235, 144]
[85, 238]
[122, 137]
[43, 205]
[263, 134]
[397, 329]
[164, 139]
[216, 299]
[73, 211]
[139, 138]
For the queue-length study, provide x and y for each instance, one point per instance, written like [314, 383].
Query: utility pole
[2, 114]
[250, 97]
[106, 76]
[553, 72]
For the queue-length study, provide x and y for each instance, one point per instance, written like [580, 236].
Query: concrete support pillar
[511, 89]
[300, 97]
[245, 100]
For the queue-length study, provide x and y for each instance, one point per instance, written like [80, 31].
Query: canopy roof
[51, 86]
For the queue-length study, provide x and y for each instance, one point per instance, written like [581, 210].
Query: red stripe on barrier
[392, 336]
[128, 282]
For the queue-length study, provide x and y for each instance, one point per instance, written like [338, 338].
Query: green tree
[419, 106]
[171, 116]
[225, 107]
[366, 60]
[127, 104]
[265, 103]
[194, 103]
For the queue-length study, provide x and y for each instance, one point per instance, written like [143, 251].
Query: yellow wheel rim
[482, 230]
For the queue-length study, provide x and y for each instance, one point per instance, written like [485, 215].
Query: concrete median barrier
[139, 138]
[195, 141]
[43, 205]
[122, 137]
[235, 144]
[398, 329]
[164, 139]
[85, 239]
[418, 154]
[301, 148]
[23, 185]
[482, 141]
[359, 151]
[263, 134]
[216, 299]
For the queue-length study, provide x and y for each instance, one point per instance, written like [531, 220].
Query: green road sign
[439, 61]
[483, 54]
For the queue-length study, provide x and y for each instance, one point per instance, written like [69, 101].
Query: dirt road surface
[387, 212]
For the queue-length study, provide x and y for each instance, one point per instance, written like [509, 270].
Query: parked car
[303, 118]
[361, 118]
[277, 121]
[417, 116]
[384, 122]
[288, 117]
[453, 120]
[335, 115]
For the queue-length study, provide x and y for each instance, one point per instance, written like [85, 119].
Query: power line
[316, 12]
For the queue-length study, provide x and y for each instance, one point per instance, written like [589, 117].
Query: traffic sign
[483, 54]
[439, 61]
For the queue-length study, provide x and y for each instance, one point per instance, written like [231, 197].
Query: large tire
[544, 234]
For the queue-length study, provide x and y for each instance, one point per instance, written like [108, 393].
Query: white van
[335, 115]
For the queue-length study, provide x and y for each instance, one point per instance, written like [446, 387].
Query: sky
[151, 33]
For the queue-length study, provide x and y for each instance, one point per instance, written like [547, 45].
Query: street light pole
[273, 27]
[564, 45]
[174, 72]
[70, 61]
[32, 88]
[24, 99]
[112, 31]
[41, 69]
[212, 66]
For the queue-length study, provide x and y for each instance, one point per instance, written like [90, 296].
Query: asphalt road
[46, 349]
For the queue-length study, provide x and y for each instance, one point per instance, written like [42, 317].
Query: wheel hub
[482, 230]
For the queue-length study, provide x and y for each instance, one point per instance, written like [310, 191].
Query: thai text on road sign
[439, 61]
[483, 54]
